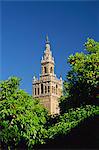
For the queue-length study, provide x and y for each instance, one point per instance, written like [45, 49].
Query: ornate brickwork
[48, 88]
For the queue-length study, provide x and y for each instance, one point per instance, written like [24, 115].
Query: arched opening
[45, 89]
[38, 91]
[48, 89]
[41, 88]
[56, 88]
[45, 70]
[51, 70]
[52, 89]
[35, 91]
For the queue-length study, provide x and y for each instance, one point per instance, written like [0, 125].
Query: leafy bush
[22, 118]
[72, 119]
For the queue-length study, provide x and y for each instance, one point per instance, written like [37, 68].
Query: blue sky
[24, 28]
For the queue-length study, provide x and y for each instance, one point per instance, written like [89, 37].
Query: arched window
[35, 91]
[41, 88]
[45, 70]
[52, 89]
[48, 89]
[56, 88]
[45, 89]
[38, 91]
[51, 70]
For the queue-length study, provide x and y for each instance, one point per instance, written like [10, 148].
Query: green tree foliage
[22, 118]
[82, 84]
[69, 120]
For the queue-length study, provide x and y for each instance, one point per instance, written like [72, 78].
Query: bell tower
[48, 88]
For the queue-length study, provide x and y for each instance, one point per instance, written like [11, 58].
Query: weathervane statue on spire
[47, 39]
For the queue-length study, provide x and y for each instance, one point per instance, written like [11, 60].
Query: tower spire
[47, 57]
